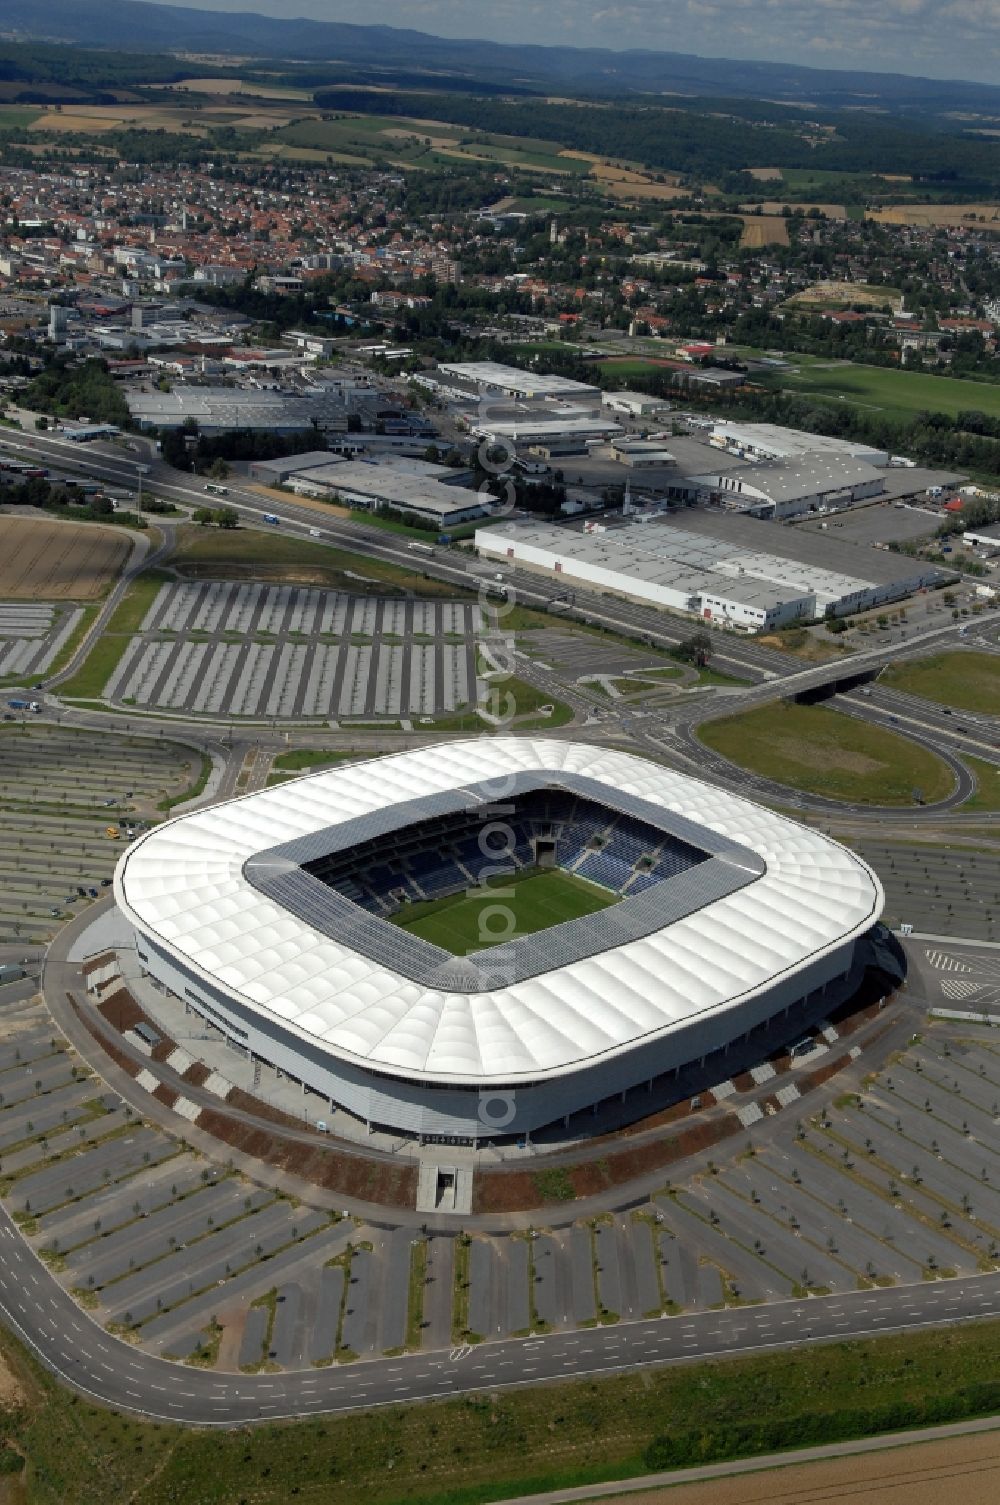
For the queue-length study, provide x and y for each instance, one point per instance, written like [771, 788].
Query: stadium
[478, 940]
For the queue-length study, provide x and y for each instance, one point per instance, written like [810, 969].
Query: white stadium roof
[184, 885]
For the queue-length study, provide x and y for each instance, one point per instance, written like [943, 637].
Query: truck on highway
[273, 519]
[11, 972]
[23, 705]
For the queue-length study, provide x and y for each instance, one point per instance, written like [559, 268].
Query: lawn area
[535, 899]
[824, 752]
[967, 681]
[288, 765]
[97, 668]
[301, 758]
[89, 680]
[251, 554]
[987, 777]
[128, 616]
[625, 365]
[491, 1445]
[884, 389]
[516, 702]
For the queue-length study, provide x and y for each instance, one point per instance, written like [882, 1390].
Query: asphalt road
[83, 1355]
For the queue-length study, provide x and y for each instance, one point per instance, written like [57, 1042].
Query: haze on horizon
[957, 39]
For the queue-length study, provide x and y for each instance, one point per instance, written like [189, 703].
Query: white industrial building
[735, 572]
[491, 379]
[551, 424]
[772, 441]
[402, 484]
[259, 915]
[223, 409]
[813, 482]
[634, 404]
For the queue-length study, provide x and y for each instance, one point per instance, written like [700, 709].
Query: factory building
[738, 572]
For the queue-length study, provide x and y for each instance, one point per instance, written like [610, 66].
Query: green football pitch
[476, 918]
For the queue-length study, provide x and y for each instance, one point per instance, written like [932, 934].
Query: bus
[214, 489]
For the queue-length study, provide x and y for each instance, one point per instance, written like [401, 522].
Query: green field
[423, 143]
[987, 777]
[967, 681]
[252, 554]
[824, 752]
[883, 389]
[535, 899]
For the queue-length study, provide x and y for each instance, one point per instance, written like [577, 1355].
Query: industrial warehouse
[297, 922]
[733, 570]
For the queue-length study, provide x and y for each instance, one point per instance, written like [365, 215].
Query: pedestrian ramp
[444, 1188]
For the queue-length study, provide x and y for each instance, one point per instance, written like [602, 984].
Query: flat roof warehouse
[390, 485]
[754, 574]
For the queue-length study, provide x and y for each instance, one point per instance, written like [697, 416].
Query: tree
[218, 469]
[203, 515]
[227, 517]
[695, 649]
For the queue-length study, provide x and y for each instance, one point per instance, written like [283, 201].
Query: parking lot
[894, 1183]
[939, 890]
[293, 651]
[31, 635]
[577, 655]
[61, 792]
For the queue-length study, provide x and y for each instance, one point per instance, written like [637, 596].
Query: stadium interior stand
[546, 828]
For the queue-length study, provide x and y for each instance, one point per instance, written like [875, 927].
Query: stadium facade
[275, 917]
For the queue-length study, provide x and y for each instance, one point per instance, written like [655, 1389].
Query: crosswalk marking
[943, 961]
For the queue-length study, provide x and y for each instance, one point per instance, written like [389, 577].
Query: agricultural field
[764, 230]
[535, 900]
[775, 206]
[42, 560]
[824, 752]
[95, 119]
[884, 389]
[236, 86]
[16, 115]
[939, 214]
[423, 143]
[967, 681]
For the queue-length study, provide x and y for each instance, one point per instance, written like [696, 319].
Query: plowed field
[41, 560]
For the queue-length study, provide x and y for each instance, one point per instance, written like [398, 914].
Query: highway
[460, 570]
[108, 1370]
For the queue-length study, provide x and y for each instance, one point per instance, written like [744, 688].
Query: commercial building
[813, 482]
[548, 424]
[221, 409]
[641, 454]
[278, 472]
[737, 572]
[772, 441]
[270, 917]
[411, 486]
[490, 378]
[643, 563]
[634, 404]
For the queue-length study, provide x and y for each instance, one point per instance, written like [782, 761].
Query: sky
[935, 38]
